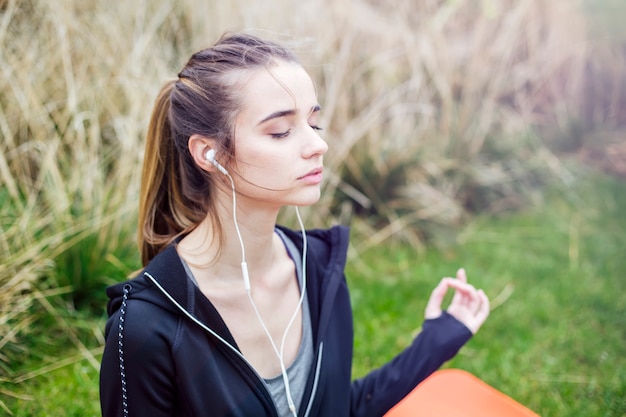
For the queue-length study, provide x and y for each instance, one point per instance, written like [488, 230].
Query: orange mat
[457, 393]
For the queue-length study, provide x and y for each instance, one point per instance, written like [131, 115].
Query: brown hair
[175, 193]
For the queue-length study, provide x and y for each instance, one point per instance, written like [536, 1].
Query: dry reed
[427, 106]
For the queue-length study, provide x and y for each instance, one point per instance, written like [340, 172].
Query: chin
[307, 201]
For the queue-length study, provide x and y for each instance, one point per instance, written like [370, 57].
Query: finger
[476, 301]
[458, 298]
[483, 310]
[465, 296]
[463, 288]
[478, 319]
[461, 275]
[433, 307]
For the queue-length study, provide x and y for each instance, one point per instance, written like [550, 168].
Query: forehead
[282, 86]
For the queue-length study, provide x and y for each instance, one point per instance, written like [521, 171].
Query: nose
[314, 145]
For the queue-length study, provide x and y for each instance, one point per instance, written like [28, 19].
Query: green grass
[555, 340]
[57, 373]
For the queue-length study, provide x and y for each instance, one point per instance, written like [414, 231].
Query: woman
[232, 314]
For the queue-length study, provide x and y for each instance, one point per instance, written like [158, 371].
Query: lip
[314, 176]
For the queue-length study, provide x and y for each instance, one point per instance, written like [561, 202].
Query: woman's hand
[469, 306]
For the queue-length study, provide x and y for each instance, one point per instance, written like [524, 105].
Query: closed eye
[280, 135]
[315, 127]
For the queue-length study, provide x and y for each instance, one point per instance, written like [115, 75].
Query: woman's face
[278, 150]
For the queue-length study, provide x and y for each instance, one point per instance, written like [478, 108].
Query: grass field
[556, 337]
[555, 340]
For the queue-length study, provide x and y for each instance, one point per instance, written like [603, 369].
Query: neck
[221, 261]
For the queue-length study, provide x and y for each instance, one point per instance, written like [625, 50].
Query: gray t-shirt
[298, 371]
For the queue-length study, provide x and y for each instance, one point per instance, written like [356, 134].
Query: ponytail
[153, 231]
[165, 211]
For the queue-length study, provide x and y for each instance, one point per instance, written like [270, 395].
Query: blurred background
[445, 119]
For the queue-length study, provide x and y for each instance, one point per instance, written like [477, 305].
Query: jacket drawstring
[120, 338]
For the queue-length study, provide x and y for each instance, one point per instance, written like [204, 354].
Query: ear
[198, 147]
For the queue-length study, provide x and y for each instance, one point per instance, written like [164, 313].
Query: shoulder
[336, 237]
[142, 322]
[324, 243]
[137, 308]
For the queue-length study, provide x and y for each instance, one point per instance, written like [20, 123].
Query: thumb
[433, 308]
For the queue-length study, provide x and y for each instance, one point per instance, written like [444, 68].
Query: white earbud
[210, 156]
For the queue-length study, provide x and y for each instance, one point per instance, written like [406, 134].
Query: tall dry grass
[428, 108]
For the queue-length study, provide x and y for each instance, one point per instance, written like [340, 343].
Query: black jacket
[176, 358]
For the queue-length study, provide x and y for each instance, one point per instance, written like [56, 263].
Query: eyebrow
[284, 113]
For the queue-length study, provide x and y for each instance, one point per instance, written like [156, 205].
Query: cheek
[267, 164]
[264, 158]
[265, 154]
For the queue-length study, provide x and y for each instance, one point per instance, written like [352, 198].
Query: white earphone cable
[244, 265]
[246, 278]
